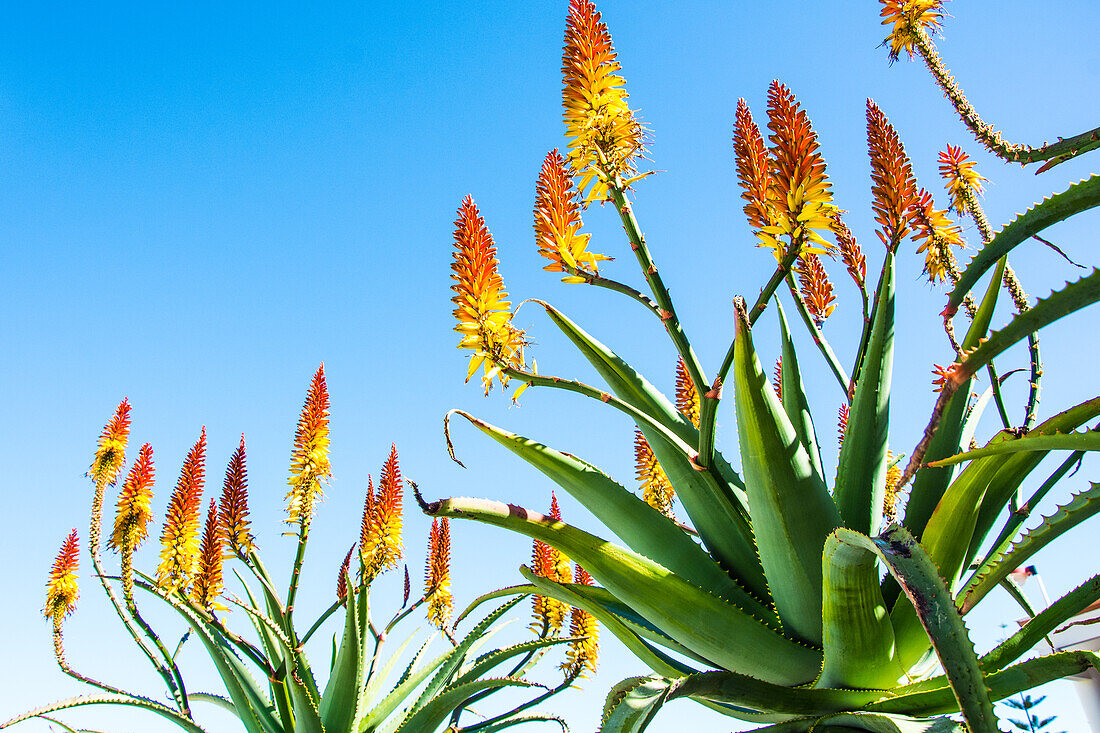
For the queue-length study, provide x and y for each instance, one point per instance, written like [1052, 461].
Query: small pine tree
[1031, 723]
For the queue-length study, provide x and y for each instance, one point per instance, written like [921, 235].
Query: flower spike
[657, 490]
[208, 578]
[342, 576]
[850, 252]
[380, 535]
[892, 183]
[233, 520]
[908, 18]
[437, 575]
[309, 464]
[582, 656]
[753, 168]
[937, 234]
[61, 588]
[558, 224]
[133, 512]
[107, 464]
[841, 424]
[552, 564]
[179, 537]
[960, 178]
[687, 397]
[817, 291]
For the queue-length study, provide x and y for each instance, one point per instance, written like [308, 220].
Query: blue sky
[200, 203]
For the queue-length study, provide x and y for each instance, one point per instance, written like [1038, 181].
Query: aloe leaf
[910, 564]
[1082, 506]
[341, 699]
[1078, 197]
[430, 715]
[1085, 441]
[519, 720]
[632, 704]
[697, 619]
[496, 657]
[377, 679]
[641, 527]
[793, 396]
[219, 700]
[792, 512]
[858, 637]
[399, 694]
[875, 722]
[274, 650]
[135, 701]
[307, 718]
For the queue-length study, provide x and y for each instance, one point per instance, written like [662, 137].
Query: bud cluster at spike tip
[380, 531]
[179, 537]
[582, 656]
[893, 187]
[687, 397]
[552, 564]
[61, 587]
[960, 178]
[437, 574]
[133, 511]
[110, 451]
[907, 18]
[558, 223]
[817, 290]
[233, 506]
[309, 463]
[657, 490]
[604, 135]
[481, 304]
[208, 576]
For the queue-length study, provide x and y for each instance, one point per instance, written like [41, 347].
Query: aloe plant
[794, 595]
[270, 685]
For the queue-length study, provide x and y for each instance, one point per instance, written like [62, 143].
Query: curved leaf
[432, 713]
[1086, 441]
[143, 703]
[793, 395]
[341, 700]
[632, 704]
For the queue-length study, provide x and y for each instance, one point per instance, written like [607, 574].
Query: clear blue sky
[201, 202]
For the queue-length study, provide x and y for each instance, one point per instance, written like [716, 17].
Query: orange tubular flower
[133, 512]
[799, 191]
[309, 464]
[604, 136]
[179, 537]
[582, 656]
[380, 535]
[892, 183]
[437, 574]
[107, 464]
[753, 168]
[552, 564]
[208, 578]
[936, 234]
[842, 424]
[233, 519]
[908, 18]
[817, 291]
[657, 490]
[61, 587]
[850, 253]
[481, 303]
[959, 178]
[558, 223]
[687, 397]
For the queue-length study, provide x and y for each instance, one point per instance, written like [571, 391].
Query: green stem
[1034, 385]
[995, 385]
[592, 278]
[295, 572]
[320, 620]
[819, 338]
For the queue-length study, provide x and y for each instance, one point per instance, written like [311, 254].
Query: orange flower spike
[380, 534]
[133, 511]
[842, 424]
[753, 168]
[558, 223]
[907, 18]
[657, 490]
[342, 576]
[179, 537]
[309, 463]
[959, 178]
[604, 136]
[437, 574]
[936, 234]
[552, 564]
[107, 464]
[893, 186]
[800, 193]
[850, 252]
[817, 291]
[687, 397]
[208, 578]
[233, 518]
[582, 656]
[61, 587]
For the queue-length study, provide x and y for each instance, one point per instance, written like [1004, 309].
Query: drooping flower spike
[552, 564]
[233, 518]
[604, 135]
[179, 537]
[134, 511]
[309, 463]
[657, 490]
[582, 656]
[208, 576]
[61, 587]
[380, 533]
[906, 19]
[437, 574]
[960, 178]
[481, 303]
[110, 455]
[558, 223]
[687, 397]
[893, 186]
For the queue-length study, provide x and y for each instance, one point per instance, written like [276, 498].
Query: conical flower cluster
[309, 464]
[380, 532]
[960, 178]
[233, 518]
[583, 654]
[133, 511]
[552, 564]
[208, 576]
[850, 252]
[893, 187]
[558, 223]
[110, 456]
[437, 574]
[817, 290]
[179, 537]
[657, 490]
[687, 397]
[61, 588]
[753, 169]
[936, 233]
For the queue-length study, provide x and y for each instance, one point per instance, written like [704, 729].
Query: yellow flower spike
[179, 537]
[907, 18]
[61, 587]
[380, 535]
[892, 183]
[552, 564]
[233, 519]
[208, 577]
[604, 136]
[437, 574]
[936, 234]
[133, 511]
[582, 656]
[817, 291]
[893, 479]
[959, 178]
[309, 463]
[687, 397]
[107, 464]
[657, 490]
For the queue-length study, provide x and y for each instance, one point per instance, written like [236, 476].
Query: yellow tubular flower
[753, 168]
[107, 464]
[437, 574]
[959, 178]
[558, 224]
[179, 538]
[208, 578]
[799, 193]
[936, 234]
[893, 478]
[233, 519]
[687, 397]
[657, 490]
[604, 136]
[817, 291]
[907, 18]
[61, 587]
[380, 536]
[582, 656]
[309, 464]
[481, 303]
[552, 564]
[133, 512]
[893, 186]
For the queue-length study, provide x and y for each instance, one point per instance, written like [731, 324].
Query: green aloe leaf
[379, 676]
[496, 657]
[1078, 197]
[641, 527]
[141, 703]
[218, 700]
[753, 694]
[431, 714]
[632, 704]
[874, 722]
[340, 703]
[521, 720]
[792, 512]
[274, 650]
[1085, 441]
[793, 395]
[697, 619]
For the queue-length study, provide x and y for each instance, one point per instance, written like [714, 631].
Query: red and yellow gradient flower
[841, 424]
[908, 18]
[583, 655]
[61, 587]
[233, 520]
[552, 564]
[687, 397]
[179, 538]
[657, 490]
[604, 135]
[208, 576]
[850, 252]
[481, 303]
[960, 178]
[437, 574]
[817, 290]
[107, 464]
[558, 224]
[936, 233]
[134, 511]
[893, 186]
[753, 168]
[380, 532]
[309, 464]
[342, 575]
